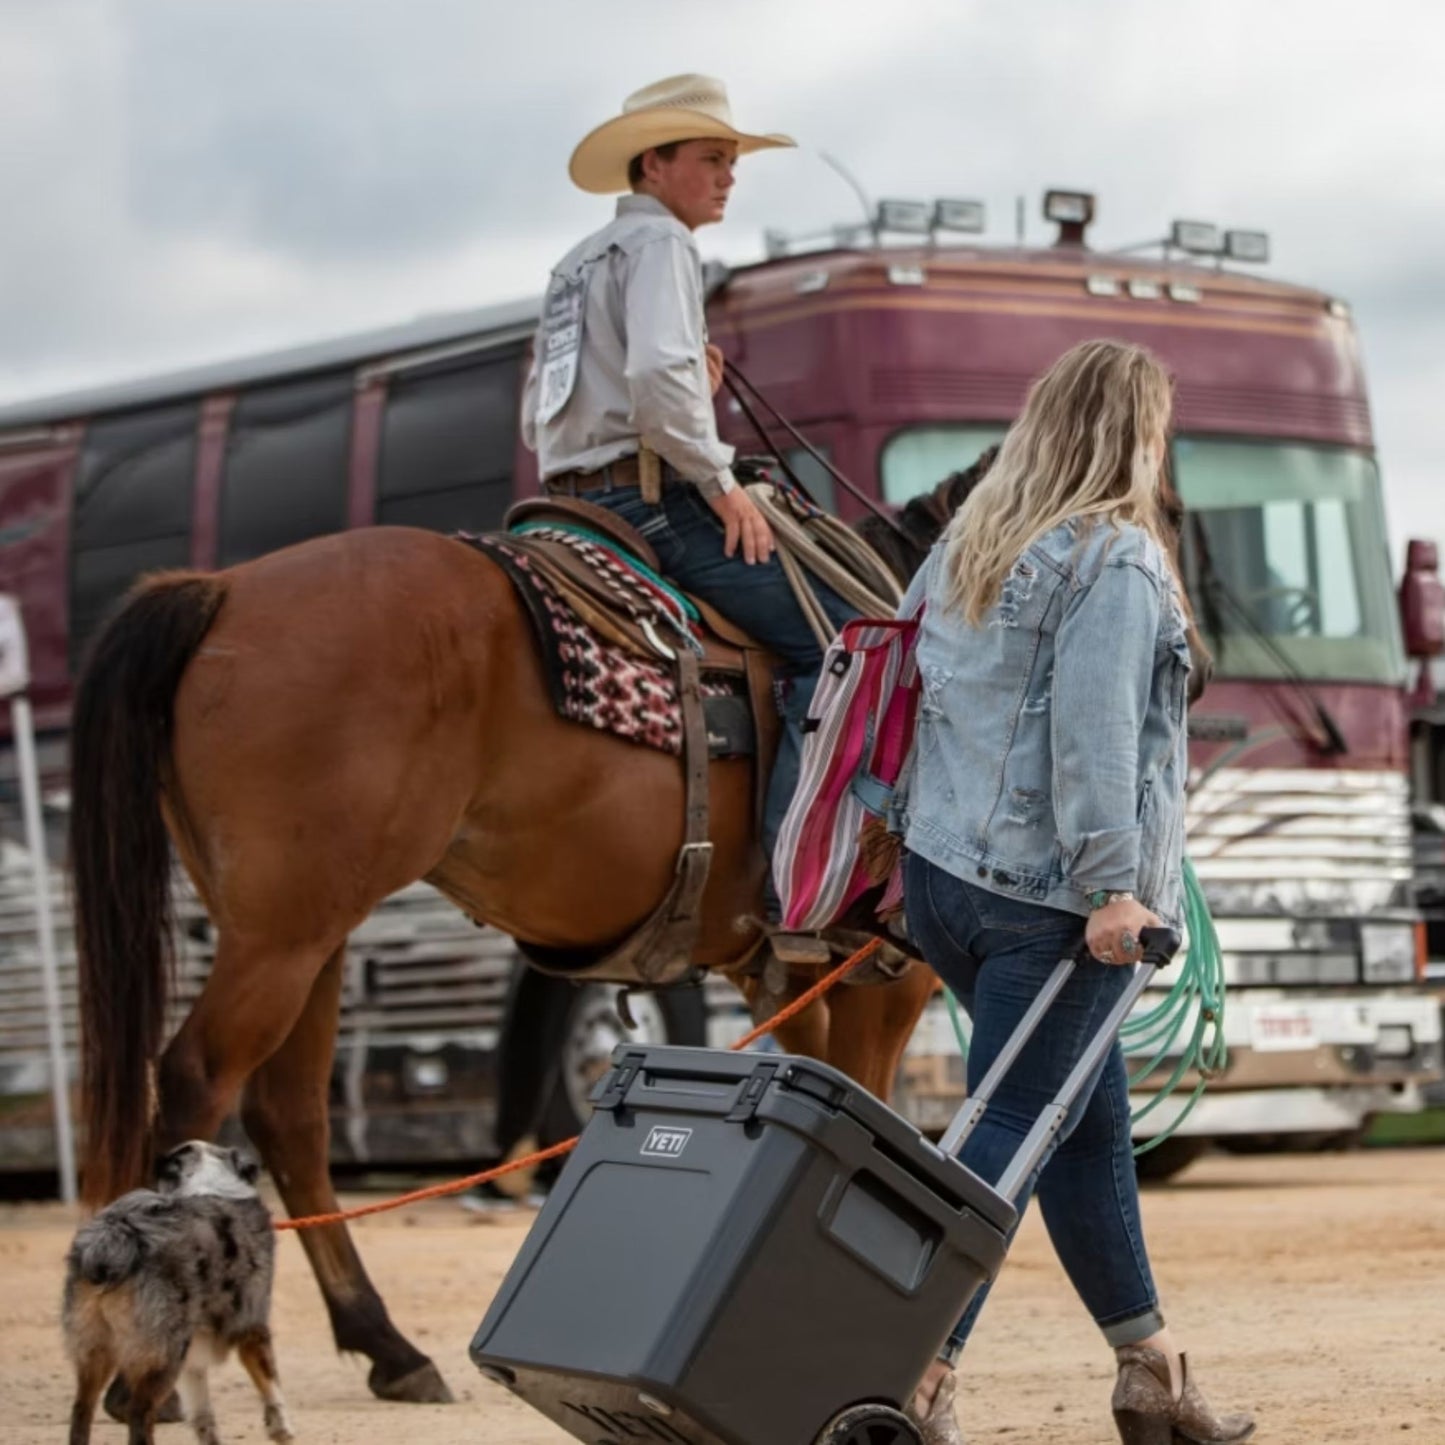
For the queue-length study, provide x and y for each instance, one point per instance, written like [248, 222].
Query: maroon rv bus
[900, 363]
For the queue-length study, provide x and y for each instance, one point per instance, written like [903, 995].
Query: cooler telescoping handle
[1160, 946]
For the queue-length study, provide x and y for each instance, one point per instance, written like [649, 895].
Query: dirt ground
[1310, 1289]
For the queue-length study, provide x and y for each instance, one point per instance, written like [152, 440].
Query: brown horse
[314, 730]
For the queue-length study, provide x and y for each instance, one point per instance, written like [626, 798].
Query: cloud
[202, 180]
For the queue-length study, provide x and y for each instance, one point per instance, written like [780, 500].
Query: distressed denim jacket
[1051, 752]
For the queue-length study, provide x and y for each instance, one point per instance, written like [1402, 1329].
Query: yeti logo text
[665, 1143]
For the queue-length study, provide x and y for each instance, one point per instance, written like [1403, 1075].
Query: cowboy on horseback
[618, 404]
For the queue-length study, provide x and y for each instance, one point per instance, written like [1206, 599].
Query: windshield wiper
[1333, 742]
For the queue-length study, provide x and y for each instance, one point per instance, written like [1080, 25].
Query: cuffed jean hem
[1132, 1331]
[1117, 1334]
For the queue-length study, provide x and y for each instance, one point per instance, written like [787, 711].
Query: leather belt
[621, 473]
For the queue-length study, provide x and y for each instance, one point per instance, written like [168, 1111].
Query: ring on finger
[1128, 943]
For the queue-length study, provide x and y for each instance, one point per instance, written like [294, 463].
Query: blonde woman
[1047, 809]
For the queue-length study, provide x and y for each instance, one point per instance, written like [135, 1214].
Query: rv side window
[448, 439]
[286, 466]
[132, 508]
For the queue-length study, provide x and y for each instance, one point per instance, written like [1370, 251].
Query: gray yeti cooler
[750, 1249]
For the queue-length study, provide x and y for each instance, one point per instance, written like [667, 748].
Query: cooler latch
[750, 1094]
[614, 1087]
[827, 1093]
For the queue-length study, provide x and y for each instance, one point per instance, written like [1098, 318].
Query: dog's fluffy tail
[106, 1255]
[111, 1247]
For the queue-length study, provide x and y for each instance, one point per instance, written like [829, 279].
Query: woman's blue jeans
[994, 953]
[688, 537]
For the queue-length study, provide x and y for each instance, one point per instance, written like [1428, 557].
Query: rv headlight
[1387, 952]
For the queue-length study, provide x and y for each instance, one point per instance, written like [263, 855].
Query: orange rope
[555, 1151]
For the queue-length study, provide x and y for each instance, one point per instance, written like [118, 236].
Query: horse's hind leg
[285, 1114]
[256, 991]
[870, 1025]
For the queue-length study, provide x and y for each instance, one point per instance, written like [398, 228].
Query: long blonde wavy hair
[1085, 445]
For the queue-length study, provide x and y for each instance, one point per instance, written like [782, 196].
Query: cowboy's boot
[940, 1425]
[1147, 1413]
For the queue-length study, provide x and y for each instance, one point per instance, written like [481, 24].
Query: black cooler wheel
[870, 1425]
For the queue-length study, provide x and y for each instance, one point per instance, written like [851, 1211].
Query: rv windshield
[1297, 535]
[916, 460]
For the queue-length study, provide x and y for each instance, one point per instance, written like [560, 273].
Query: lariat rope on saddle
[810, 541]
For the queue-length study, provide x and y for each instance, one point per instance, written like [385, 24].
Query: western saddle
[660, 950]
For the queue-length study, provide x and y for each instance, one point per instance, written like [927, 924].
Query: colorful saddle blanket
[609, 669]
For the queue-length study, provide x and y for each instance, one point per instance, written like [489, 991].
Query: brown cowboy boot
[1147, 1413]
[940, 1425]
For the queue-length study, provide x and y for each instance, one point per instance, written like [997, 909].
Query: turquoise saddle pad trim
[636, 563]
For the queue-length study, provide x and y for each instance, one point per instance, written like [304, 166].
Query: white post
[14, 679]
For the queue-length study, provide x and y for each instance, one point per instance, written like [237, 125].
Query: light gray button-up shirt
[640, 369]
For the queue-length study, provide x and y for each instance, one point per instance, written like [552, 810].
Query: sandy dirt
[1309, 1289]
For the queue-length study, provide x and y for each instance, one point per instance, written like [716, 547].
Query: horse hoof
[117, 1405]
[422, 1386]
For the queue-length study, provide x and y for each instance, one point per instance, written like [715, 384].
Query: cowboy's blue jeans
[994, 953]
[687, 536]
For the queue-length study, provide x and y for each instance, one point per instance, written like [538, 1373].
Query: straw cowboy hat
[683, 107]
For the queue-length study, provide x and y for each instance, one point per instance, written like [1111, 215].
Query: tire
[1253, 1143]
[870, 1425]
[1314, 1141]
[593, 1028]
[1171, 1157]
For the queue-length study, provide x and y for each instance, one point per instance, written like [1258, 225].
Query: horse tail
[120, 762]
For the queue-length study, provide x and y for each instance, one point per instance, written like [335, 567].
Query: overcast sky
[191, 180]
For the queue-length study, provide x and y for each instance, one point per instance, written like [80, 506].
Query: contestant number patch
[561, 346]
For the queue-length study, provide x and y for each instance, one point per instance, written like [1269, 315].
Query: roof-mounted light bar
[899, 217]
[1252, 246]
[913, 218]
[1069, 207]
[1072, 212]
[1198, 238]
[963, 216]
